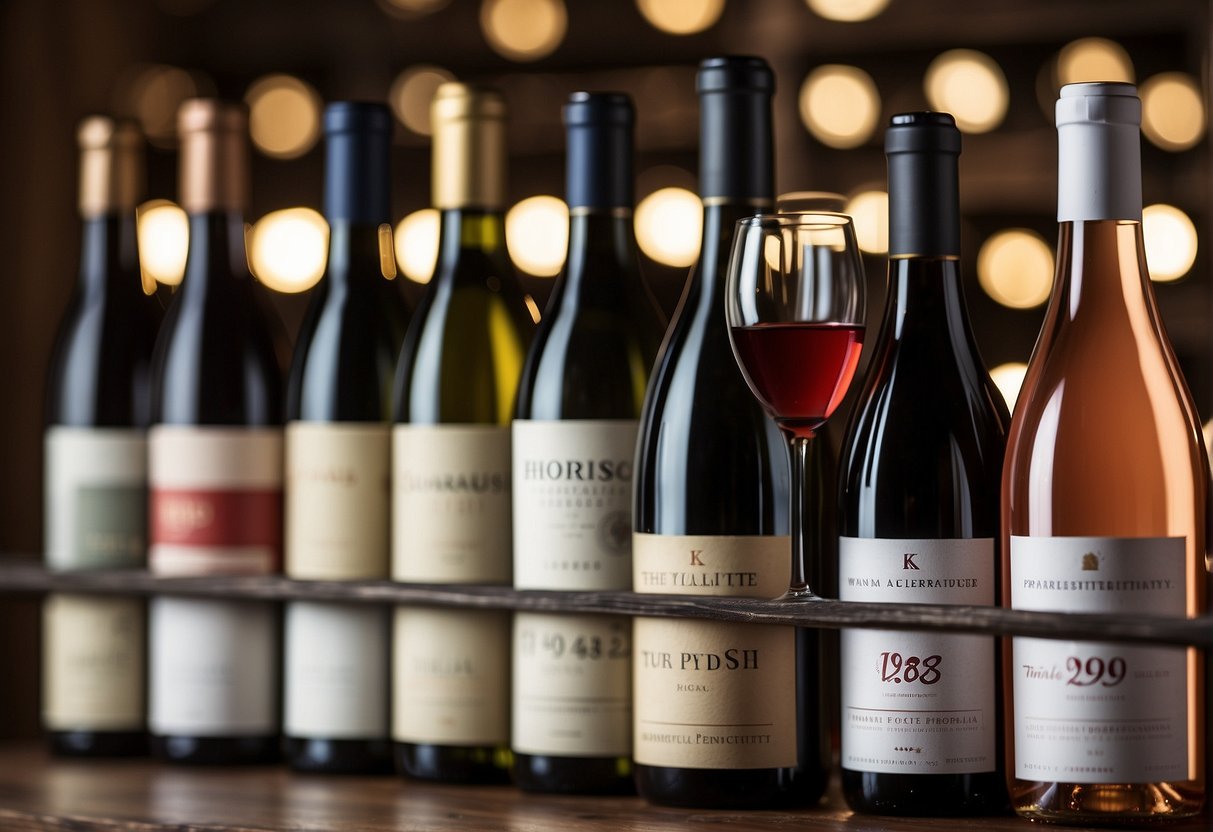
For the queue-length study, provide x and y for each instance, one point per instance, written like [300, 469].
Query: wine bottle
[97, 412]
[455, 386]
[1104, 503]
[574, 445]
[711, 503]
[338, 443]
[921, 471]
[215, 467]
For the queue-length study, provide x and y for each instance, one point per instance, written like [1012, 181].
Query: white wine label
[93, 663]
[747, 566]
[451, 676]
[714, 696]
[573, 503]
[216, 500]
[336, 678]
[451, 504]
[572, 685]
[337, 499]
[1095, 712]
[917, 703]
[96, 498]
[213, 667]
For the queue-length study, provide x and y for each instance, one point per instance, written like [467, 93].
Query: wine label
[93, 663]
[710, 695]
[96, 498]
[216, 500]
[745, 566]
[213, 668]
[451, 504]
[917, 703]
[573, 503]
[714, 696]
[1095, 712]
[337, 500]
[451, 676]
[336, 675]
[572, 685]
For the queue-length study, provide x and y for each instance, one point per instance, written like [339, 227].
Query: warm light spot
[1008, 378]
[848, 11]
[412, 8]
[412, 93]
[417, 244]
[1170, 237]
[1015, 267]
[840, 105]
[668, 225]
[681, 17]
[969, 85]
[870, 212]
[1093, 59]
[163, 231]
[156, 94]
[284, 116]
[1172, 111]
[523, 30]
[288, 249]
[810, 201]
[537, 235]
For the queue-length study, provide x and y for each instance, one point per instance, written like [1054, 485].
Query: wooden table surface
[41, 792]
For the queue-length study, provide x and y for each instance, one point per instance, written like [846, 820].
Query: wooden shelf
[38, 792]
[26, 574]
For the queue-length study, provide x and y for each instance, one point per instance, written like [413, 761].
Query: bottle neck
[109, 256]
[719, 224]
[1101, 269]
[355, 257]
[467, 230]
[926, 295]
[216, 252]
[603, 238]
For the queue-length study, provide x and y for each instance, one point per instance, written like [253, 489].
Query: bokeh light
[870, 211]
[417, 244]
[681, 17]
[669, 223]
[411, 8]
[1008, 378]
[284, 116]
[288, 249]
[1171, 241]
[848, 11]
[1015, 267]
[537, 235]
[840, 105]
[412, 93]
[1172, 111]
[163, 232]
[155, 93]
[1093, 59]
[971, 86]
[524, 30]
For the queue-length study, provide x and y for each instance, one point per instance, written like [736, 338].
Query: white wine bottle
[1105, 489]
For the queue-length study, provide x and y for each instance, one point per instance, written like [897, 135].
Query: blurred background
[843, 67]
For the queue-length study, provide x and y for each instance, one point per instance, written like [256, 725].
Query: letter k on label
[695, 561]
[908, 561]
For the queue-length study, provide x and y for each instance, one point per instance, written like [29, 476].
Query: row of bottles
[551, 459]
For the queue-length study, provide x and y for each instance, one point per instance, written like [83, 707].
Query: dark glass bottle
[455, 388]
[921, 467]
[215, 468]
[712, 494]
[97, 413]
[579, 399]
[338, 441]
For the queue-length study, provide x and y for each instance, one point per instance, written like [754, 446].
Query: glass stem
[799, 446]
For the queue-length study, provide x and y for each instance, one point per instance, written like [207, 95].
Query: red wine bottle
[712, 497]
[920, 471]
[455, 387]
[98, 409]
[215, 467]
[574, 442]
[338, 444]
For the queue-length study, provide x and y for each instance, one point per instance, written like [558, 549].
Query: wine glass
[795, 308]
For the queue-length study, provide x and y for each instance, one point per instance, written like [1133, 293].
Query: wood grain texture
[24, 575]
[41, 793]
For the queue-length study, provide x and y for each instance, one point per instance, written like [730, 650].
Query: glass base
[925, 795]
[99, 743]
[454, 763]
[323, 756]
[760, 788]
[573, 775]
[1130, 804]
[215, 751]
